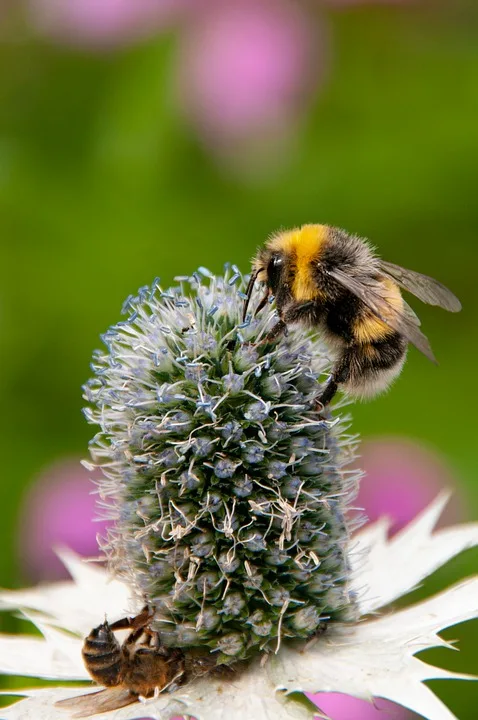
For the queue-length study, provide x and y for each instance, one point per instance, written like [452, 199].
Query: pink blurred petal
[247, 65]
[58, 509]
[365, 3]
[345, 707]
[402, 478]
[103, 23]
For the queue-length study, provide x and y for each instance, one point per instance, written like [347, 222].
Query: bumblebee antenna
[250, 287]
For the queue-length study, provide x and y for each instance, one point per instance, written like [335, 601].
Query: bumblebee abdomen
[367, 327]
[372, 367]
[342, 316]
[102, 656]
[349, 318]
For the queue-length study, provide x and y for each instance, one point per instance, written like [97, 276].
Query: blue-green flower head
[225, 485]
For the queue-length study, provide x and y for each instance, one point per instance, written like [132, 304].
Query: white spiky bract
[371, 658]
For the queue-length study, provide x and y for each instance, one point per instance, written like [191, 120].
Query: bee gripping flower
[230, 502]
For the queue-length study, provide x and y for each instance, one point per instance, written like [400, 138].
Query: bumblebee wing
[427, 289]
[411, 313]
[83, 706]
[370, 292]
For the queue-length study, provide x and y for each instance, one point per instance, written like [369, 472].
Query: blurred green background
[106, 182]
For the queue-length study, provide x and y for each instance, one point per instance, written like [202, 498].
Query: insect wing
[410, 312]
[425, 288]
[83, 706]
[371, 294]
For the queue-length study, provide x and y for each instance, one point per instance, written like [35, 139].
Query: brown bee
[324, 278]
[140, 666]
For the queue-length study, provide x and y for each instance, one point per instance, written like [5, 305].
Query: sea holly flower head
[229, 497]
[225, 486]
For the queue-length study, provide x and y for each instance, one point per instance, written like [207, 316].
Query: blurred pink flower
[58, 510]
[345, 707]
[246, 66]
[103, 23]
[246, 69]
[401, 478]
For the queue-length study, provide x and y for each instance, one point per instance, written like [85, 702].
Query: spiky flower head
[226, 486]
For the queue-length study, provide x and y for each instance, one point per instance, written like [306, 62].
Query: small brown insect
[140, 666]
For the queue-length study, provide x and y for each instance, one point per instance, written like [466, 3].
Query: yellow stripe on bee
[303, 246]
[368, 327]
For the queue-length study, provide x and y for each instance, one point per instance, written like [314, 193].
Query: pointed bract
[252, 696]
[376, 658]
[76, 605]
[58, 658]
[385, 569]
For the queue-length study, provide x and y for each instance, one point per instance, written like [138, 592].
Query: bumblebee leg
[339, 375]
[137, 625]
[301, 312]
[329, 392]
[280, 328]
[262, 302]
[296, 313]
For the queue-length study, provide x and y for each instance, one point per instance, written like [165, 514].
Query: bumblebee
[325, 278]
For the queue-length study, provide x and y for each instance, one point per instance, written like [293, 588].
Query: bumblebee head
[285, 262]
[268, 266]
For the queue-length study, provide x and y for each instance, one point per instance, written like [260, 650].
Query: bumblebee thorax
[301, 247]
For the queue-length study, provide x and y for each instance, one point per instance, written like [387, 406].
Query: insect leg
[280, 328]
[139, 621]
[127, 647]
[153, 642]
[138, 627]
[329, 392]
[262, 302]
[340, 374]
[300, 312]
[250, 287]
[295, 313]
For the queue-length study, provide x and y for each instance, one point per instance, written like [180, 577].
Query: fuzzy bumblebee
[325, 278]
